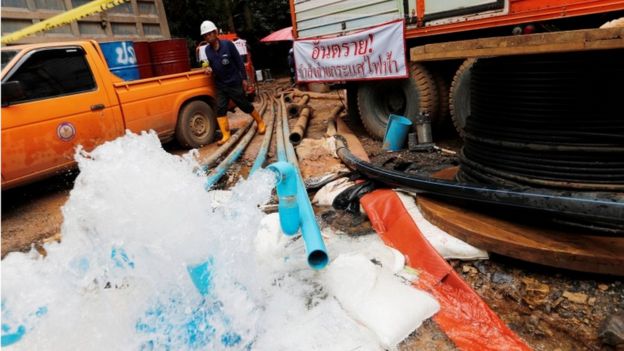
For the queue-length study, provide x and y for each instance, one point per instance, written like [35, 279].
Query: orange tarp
[463, 316]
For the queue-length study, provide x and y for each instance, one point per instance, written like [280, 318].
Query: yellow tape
[63, 19]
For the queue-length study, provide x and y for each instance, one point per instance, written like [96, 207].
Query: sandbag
[376, 298]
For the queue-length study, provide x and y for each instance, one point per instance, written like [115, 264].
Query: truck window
[7, 56]
[55, 72]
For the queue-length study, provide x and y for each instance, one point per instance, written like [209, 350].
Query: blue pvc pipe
[266, 142]
[281, 148]
[396, 133]
[310, 231]
[288, 207]
[220, 170]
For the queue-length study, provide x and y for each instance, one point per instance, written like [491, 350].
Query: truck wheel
[196, 125]
[459, 96]
[438, 122]
[405, 97]
[352, 106]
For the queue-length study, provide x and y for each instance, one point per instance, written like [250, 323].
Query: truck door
[54, 104]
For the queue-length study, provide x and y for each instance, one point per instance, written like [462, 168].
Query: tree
[251, 20]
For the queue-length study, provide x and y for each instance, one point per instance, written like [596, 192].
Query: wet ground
[551, 309]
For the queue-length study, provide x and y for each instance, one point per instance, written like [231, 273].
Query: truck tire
[405, 97]
[438, 122]
[196, 125]
[459, 96]
[352, 106]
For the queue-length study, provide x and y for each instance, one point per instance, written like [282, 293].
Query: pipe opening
[318, 259]
[295, 138]
[293, 110]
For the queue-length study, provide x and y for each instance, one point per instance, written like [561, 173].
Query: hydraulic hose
[586, 207]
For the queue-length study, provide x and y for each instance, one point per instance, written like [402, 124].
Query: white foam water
[135, 226]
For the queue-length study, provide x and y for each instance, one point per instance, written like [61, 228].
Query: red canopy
[283, 34]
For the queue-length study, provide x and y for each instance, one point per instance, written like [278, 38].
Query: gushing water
[150, 261]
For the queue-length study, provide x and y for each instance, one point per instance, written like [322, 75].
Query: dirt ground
[551, 309]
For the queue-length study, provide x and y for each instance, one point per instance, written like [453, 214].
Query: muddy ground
[551, 309]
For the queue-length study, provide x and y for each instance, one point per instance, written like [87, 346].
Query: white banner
[376, 53]
[241, 45]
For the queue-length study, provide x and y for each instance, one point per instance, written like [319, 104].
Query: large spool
[548, 121]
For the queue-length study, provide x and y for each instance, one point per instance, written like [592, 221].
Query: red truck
[443, 38]
[56, 96]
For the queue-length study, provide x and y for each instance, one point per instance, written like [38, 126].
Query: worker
[226, 66]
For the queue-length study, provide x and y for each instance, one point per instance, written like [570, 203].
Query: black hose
[583, 205]
[550, 120]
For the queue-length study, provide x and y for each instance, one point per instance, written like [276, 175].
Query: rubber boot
[224, 125]
[259, 122]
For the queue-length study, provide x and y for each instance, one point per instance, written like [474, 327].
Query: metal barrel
[169, 56]
[144, 59]
[121, 59]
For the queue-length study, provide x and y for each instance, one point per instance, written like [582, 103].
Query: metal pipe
[298, 131]
[211, 160]
[266, 142]
[586, 207]
[304, 100]
[295, 109]
[310, 231]
[331, 122]
[220, 170]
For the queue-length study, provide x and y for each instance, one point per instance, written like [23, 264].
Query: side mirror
[12, 91]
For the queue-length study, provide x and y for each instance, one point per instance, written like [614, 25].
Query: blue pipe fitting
[396, 133]
[287, 194]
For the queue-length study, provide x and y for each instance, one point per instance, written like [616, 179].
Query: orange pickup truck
[56, 96]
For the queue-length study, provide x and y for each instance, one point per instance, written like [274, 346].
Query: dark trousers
[226, 93]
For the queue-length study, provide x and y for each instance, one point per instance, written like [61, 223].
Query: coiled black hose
[553, 120]
[584, 206]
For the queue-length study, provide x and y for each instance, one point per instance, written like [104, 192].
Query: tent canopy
[284, 34]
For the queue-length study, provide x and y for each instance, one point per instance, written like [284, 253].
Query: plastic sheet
[463, 316]
[445, 244]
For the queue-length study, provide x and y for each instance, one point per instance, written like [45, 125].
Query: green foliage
[251, 20]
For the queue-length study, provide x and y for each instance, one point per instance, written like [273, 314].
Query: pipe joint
[287, 196]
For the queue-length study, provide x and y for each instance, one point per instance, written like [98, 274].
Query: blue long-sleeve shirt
[226, 63]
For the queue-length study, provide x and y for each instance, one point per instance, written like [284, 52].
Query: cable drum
[553, 120]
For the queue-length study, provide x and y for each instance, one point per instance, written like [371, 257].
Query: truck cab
[52, 100]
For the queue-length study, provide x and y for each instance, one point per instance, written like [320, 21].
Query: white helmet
[207, 27]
